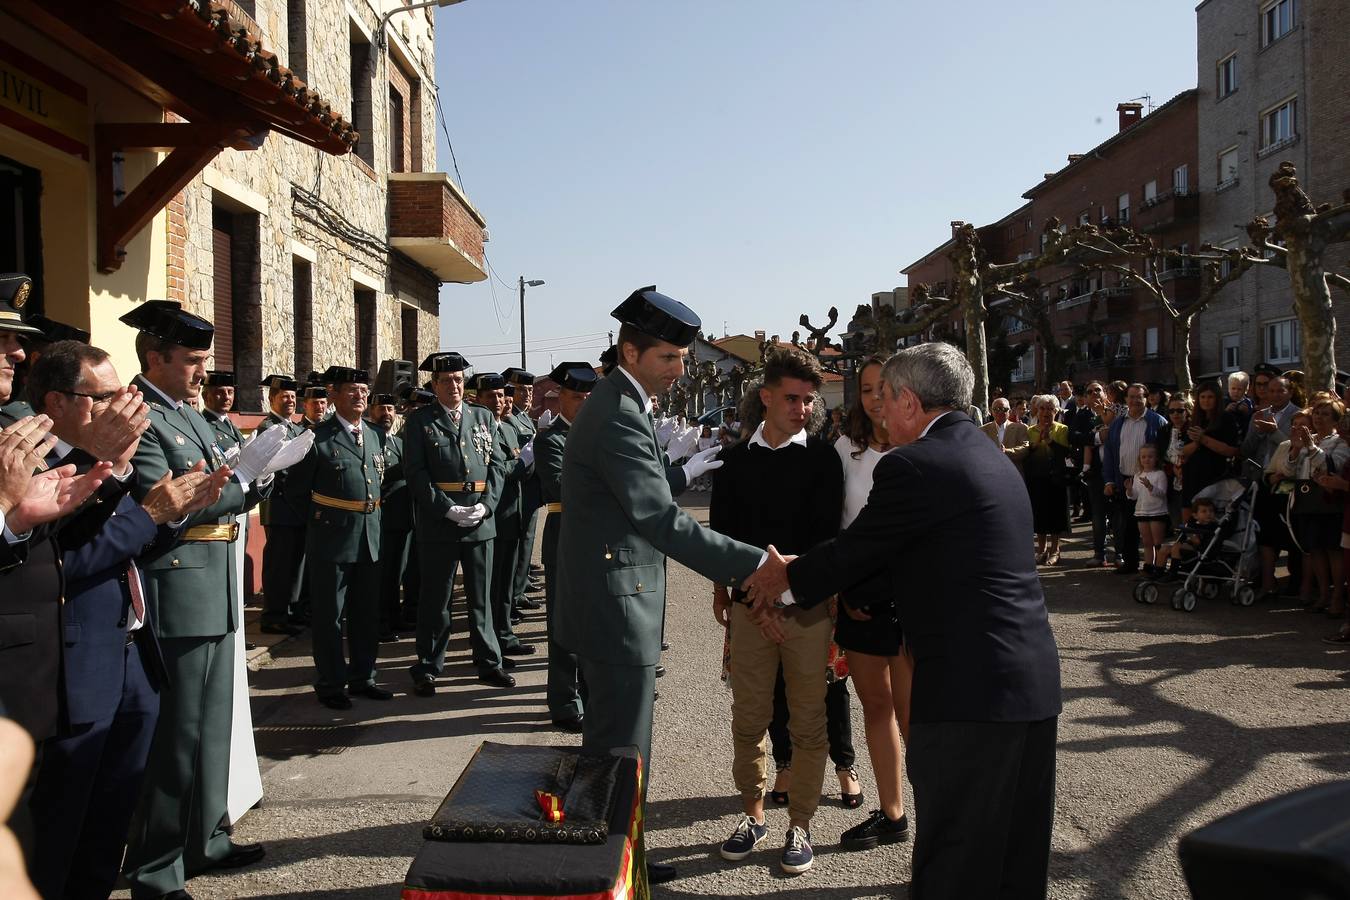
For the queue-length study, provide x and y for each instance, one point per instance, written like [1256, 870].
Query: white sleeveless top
[857, 476]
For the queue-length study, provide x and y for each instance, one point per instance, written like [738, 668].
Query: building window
[1181, 180]
[1151, 193]
[21, 211]
[1151, 342]
[365, 330]
[1228, 167]
[1123, 348]
[1277, 20]
[405, 119]
[409, 329]
[1230, 352]
[1085, 217]
[297, 30]
[1227, 75]
[1279, 124]
[302, 314]
[1025, 369]
[1123, 208]
[237, 300]
[362, 114]
[1226, 267]
[1282, 341]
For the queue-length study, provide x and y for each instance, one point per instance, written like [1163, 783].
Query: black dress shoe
[665, 645]
[527, 603]
[284, 628]
[425, 687]
[370, 692]
[521, 650]
[517, 618]
[243, 854]
[660, 671]
[496, 678]
[175, 895]
[660, 873]
[335, 701]
[572, 724]
[249, 646]
[388, 637]
[509, 663]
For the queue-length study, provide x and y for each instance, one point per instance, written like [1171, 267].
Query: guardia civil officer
[620, 521]
[217, 401]
[520, 393]
[336, 488]
[516, 467]
[395, 514]
[283, 562]
[455, 479]
[178, 829]
[566, 691]
[314, 405]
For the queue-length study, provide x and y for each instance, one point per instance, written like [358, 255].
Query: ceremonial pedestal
[490, 839]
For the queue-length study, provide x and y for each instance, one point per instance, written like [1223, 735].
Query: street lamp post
[523, 285]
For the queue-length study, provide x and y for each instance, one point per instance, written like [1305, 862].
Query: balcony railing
[1167, 209]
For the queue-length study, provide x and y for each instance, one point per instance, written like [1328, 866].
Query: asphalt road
[1171, 719]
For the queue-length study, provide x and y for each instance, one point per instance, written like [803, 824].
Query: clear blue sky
[760, 159]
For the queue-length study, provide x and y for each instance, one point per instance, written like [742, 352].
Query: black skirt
[879, 635]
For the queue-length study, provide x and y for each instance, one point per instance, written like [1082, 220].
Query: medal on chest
[482, 442]
[380, 465]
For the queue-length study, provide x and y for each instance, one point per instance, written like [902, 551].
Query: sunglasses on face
[1176, 412]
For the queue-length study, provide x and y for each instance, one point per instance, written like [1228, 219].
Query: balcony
[1166, 210]
[1173, 274]
[435, 225]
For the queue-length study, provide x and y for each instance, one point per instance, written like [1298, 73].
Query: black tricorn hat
[488, 381]
[446, 361]
[515, 375]
[315, 392]
[280, 383]
[55, 331]
[167, 320]
[422, 397]
[220, 379]
[609, 358]
[382, 400]
[14, 290]
[1267, 369]
[574, 376]
[345, 375]
[660, 316]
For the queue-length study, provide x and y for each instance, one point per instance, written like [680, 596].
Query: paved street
[1170, 720]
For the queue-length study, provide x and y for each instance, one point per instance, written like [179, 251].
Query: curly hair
[750, 411]
[857, 426]
[791, 362]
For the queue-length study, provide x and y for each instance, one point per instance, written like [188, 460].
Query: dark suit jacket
[94, 617]
[957, 542]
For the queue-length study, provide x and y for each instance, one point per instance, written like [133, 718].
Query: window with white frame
[1277, 20]
[1151, 342]
[1280, 123]
[1282, 341]
[1228, 166]
[1151, 193]
[1026, 365]
[1123, 348]
[1230, 352]
[1123, 208]
[1181, 180]
[1227, 75]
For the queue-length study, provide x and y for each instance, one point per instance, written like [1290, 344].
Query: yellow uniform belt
[553, 507]
[212, 532]
[458, 487]
[360, 506]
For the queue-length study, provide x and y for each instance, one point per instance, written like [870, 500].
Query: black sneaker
[797, 854]
[747, 835]
[875, 830]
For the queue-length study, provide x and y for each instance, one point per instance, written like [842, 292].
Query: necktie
[454, 416]
[134, 587]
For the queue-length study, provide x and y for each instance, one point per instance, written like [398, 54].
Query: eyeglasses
[1176, 411]
[97, 398]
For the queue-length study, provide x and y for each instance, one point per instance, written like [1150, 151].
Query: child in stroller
[1219, 554]
[1191, 537]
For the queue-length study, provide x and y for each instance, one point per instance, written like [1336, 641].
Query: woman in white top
[868, 630]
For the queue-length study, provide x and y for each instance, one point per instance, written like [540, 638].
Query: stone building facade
[305, 259]
[1272, 80]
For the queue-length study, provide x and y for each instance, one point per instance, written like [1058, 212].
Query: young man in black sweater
[784, 489]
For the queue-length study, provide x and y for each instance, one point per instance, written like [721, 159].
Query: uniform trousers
[350, 589]
[619, 710]
[755, 661]
[177, 830]
[394, 546]
[283, 573]
[566, 693]
[438, 563]
[984, 799]
[524, 553]
[504, 556]
[87, 789]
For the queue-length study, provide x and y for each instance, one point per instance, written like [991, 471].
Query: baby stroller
[1225, 559]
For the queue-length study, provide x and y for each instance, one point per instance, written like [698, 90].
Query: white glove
[467, 516]
[527, 453]
[257, 452]
[702, 462]
[291, 452]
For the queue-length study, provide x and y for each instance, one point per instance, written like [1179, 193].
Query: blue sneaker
[744, 839]
[797, 855]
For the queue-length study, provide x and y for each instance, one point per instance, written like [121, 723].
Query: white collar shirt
[642, 392]
[758, 438]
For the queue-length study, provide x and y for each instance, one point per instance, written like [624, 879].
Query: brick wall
[429, 209]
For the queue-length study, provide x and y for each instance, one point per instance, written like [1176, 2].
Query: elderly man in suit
[986, 691]
[91, 775]
[1010, 435]
[620, 521]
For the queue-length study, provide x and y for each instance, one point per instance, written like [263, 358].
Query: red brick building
[1144, 176]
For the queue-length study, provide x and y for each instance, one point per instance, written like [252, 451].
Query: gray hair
[1048, 399]
[937, 373]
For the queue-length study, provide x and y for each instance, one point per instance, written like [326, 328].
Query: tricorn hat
[280, 383]
[315, 392]
[446, 361]
[220, 379]
[167, 320]
[345, 375]
[574, 376]
[514, 375]
[382, 400]
[662, 317]
[488, 381]
[55, 331]
[14, 290]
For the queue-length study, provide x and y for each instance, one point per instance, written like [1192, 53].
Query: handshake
[766, 589]
[266, 453]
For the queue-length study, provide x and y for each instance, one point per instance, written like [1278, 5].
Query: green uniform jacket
[435, 449]
[396, 513]
[278, 509]
[619, 524]
[227, 433]
[336, 468]
[510, 505]
[548, 459]
[189, 587]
